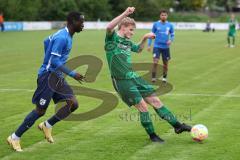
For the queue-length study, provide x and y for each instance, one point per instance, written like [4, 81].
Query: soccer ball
[199, 132]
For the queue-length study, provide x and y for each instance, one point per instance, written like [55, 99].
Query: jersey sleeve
[56, 62]
[46, 43]
[172, 33]
[153, 31]
[59, 43]
[135, 47]
[110, 36]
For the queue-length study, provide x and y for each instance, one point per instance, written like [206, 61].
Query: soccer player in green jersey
[133, 90]
[232, 31]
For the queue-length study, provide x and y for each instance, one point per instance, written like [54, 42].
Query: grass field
[205, 75]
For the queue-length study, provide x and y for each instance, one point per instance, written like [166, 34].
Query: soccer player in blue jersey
[164, 32]
[51, 83]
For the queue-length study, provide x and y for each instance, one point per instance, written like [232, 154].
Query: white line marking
[168, 94]
[15, 90]
[203, 95]
[144, 151]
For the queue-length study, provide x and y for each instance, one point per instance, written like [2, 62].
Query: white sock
[48, 125]
[15, 137]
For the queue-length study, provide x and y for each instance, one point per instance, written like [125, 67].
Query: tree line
[56, 10]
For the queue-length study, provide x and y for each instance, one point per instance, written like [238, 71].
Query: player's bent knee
[157, 105]
[155, 61]
[73, 104]
[155, 102]
[40, 111]
[165, 63]
[142, 106]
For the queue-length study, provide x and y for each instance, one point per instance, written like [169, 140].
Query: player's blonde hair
[126, 22]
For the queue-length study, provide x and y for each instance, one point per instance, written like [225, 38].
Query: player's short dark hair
[74, 16]
[163, 11]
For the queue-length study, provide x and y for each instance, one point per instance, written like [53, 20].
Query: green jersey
[232, 25]
[118, 52]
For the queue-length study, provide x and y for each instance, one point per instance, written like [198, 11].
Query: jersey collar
[67, 29]
[162, 22]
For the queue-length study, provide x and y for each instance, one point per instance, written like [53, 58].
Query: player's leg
[2, 27]
[156, 56]
[62, 113]
[146, 121]
[69, 106]
[143, 89]
[14, 139]
[41, 99]
[165, 70]
[165, 58]
[63, 94]
[166, 114]
[233, 40]
[130, 94]
[228, 40]
[154, 69]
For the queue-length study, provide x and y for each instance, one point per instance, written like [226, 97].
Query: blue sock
[27, 123]
[61, 114]
[54, 119]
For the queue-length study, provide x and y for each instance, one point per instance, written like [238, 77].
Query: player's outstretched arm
[57, 63]
[172, 34]
[144, 39]
[149, 48]
[111, 25]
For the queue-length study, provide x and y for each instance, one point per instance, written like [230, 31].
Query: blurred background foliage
[104, 10]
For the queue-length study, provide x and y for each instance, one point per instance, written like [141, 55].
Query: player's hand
[129, 11]
[149, 35]
[80, 78]
[169, 42]
[149, 49]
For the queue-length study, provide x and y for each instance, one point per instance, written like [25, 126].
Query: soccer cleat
[164, 80]
[15, 144]
[232, 46]
[179, 128]
[154, 80]
[47, 132]
[155, 138]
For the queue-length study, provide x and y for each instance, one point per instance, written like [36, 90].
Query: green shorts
[231, 33]
[132, 91]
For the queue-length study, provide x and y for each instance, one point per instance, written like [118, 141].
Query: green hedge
[199, 17]
[105, 10]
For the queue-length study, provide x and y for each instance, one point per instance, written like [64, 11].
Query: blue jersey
[164, 32]
[57, 48]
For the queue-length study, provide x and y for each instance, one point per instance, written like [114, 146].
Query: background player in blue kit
[51, 83]
[164, 32]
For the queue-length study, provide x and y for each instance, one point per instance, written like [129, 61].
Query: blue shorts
[164, 51]
[50, 86]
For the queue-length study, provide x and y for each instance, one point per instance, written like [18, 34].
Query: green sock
[146, 122]
[165, 114]
[228, 39]
[233, 40]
